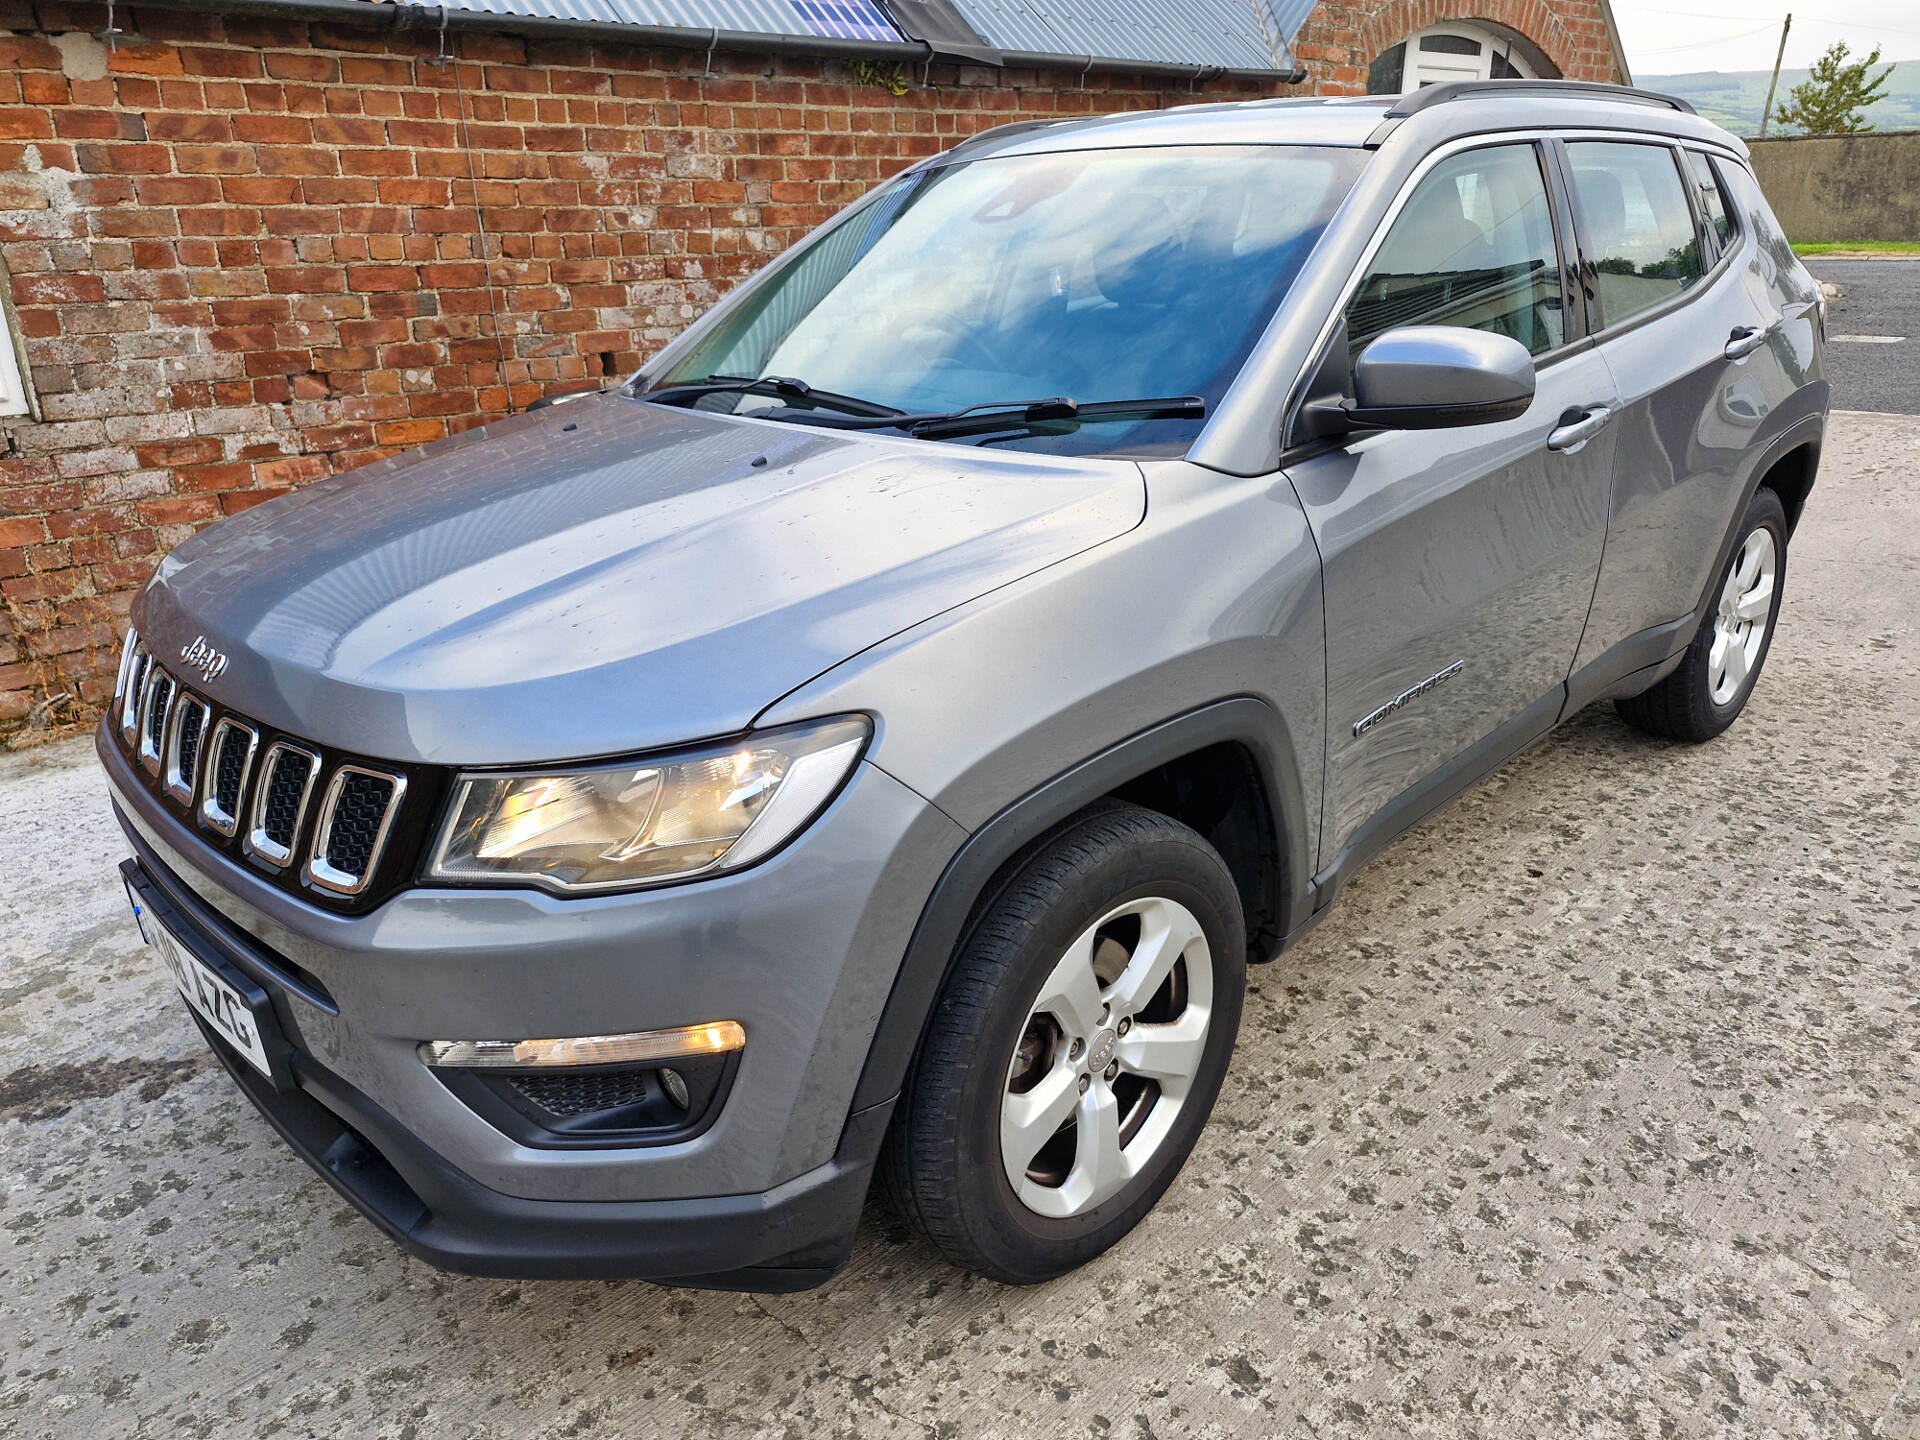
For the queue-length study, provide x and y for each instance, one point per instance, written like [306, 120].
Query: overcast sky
[1743, 34]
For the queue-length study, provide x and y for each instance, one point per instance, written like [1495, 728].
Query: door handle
[1744, 341]
[1577, 427]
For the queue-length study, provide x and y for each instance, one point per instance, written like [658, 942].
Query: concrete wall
[1843, 187]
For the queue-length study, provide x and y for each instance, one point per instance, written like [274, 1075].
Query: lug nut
[1125, 1025]
[1112, 1071]
[1085, 1081]
[1074, 1050]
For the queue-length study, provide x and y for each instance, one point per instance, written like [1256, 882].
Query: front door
[1459, 564]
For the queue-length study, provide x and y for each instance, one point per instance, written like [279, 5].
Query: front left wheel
[1076, 1051]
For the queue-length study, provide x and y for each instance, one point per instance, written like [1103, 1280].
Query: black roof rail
[1426, 98]
[1010, 129]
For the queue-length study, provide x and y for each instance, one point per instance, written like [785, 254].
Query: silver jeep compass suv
[878, 736]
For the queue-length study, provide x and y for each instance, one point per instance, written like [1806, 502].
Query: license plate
[217, 1002]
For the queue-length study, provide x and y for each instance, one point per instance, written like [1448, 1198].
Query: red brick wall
[244, 251]
[1342, 37]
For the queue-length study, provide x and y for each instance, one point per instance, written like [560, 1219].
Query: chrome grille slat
[229, 759]
[155, 707]
[127, 648]
[351, 832]
[280, 801]
[133, 692]
[181, 772]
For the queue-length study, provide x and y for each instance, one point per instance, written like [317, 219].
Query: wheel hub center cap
[1101, 1051]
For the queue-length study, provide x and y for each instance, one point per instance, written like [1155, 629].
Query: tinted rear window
[1638, 223]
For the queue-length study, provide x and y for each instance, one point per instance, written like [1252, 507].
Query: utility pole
[1779, 55]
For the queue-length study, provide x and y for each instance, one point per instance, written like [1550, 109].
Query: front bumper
[790, 1238]
[802, 950]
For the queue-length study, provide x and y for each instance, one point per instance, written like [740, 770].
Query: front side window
[1639, 226]
[1712, 204]
[1099, 275]
[1473, 247]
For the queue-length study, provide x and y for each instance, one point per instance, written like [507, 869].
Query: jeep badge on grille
[204, 658]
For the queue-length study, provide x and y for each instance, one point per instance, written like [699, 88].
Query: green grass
[1859, 247]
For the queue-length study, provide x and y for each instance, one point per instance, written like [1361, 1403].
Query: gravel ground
[1593, 1109]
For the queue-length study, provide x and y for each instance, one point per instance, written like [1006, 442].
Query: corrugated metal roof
[1201, 33]
[1167, 32]
[827, 19]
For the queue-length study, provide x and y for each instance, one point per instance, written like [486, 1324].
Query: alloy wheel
[1740, 624]
[1107, 1056]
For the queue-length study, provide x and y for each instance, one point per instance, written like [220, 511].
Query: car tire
[1102, 982]
[1703, 697]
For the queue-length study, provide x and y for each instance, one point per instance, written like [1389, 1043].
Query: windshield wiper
[1009, 415]
[784, 386]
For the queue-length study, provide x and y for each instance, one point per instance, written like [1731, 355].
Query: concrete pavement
[1593, 1109]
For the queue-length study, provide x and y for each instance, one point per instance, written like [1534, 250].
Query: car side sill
[1423, 799]
[1631, 665]
[1642, 659]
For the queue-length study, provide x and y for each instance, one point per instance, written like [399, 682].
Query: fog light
[716, 1037]
[675, 1085]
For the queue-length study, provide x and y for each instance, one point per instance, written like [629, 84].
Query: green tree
[1830, 100]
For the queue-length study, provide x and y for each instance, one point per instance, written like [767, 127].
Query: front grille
[227, 775]
[286, 779]
[192, 720]
[353, 827]
[582, 1092]
[317, 822]
[183, 754]
[154, 708]
[356, 821]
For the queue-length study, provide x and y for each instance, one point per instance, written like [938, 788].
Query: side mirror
[1431, 377]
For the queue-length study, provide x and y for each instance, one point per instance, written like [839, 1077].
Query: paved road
[1882, 298]
[1593, 1109]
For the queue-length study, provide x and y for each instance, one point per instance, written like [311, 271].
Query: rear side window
[1638, 224]
[1473, 247]
[1712, 203]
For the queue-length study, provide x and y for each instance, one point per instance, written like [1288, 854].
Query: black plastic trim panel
[789, 1238]
[945, 917]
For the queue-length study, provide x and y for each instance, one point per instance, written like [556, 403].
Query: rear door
[1695, 351]
[1458, 564]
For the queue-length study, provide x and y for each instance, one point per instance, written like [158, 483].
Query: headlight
[647, 821]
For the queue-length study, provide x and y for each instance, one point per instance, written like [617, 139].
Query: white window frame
[1414, 72]
[14, 401]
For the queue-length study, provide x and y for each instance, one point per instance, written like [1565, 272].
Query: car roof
[1429, 116]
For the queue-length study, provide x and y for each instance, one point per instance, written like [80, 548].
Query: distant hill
[1733, 98]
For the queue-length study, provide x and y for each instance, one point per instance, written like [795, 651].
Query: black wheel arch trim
[1243, 720]
[1808, 432]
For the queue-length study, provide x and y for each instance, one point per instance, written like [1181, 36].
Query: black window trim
[1704, 240]
[1709, 237]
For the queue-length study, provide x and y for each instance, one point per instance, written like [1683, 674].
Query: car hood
[603, 576]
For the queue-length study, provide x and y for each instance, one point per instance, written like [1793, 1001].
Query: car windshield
[1098, 275]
